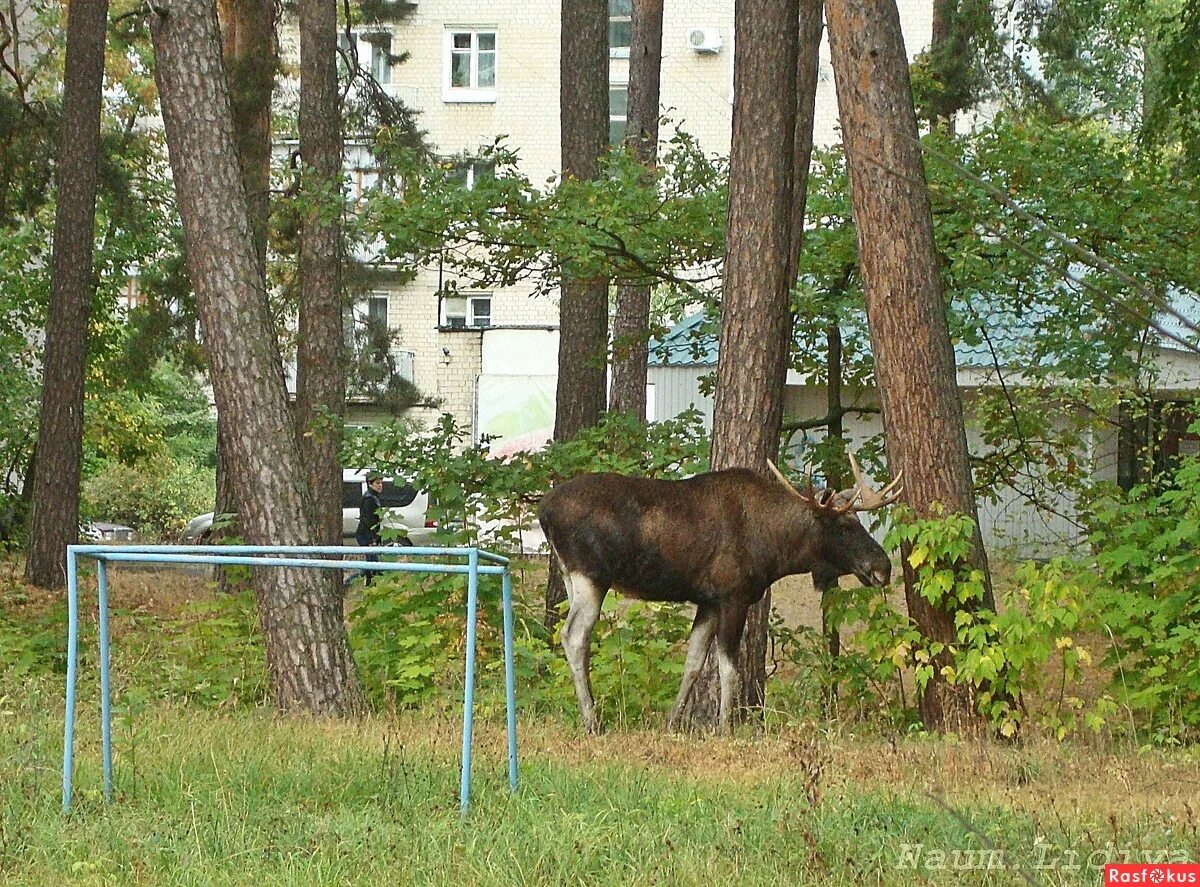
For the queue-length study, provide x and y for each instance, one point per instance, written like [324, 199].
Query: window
[381, 58]
[377, 310]
[620, 28]
[472, 171]
[618, 112]
[362, 181]
[470, 66]
[463, 312]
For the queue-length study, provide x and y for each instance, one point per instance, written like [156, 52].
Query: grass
[237, 795]
[244, 797]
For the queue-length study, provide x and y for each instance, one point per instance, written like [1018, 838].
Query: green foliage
[1143, 596]
[217, 654]
[1003, 656]
[1172, 115]
[407, 633]
[627, 225]
[1008, 657]
[31, 643]
[951, 76]
[374, 372]
[156, 496]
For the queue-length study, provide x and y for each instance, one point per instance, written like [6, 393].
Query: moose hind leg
[697, 651]
[576, 636]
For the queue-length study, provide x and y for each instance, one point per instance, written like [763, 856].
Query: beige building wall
[696, 94]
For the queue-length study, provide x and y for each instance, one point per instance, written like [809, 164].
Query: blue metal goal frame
[477, 561]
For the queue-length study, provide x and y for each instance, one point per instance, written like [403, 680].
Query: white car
[404, 513]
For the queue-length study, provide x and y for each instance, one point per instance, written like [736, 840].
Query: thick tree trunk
[308, 656]
[54, 522]
[631, 320]
[250, 51]
[914, 359]
[756, 324]
[251, 56]
[320, 359]
[583, 305]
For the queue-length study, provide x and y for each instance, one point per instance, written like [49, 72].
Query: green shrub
[1144, 597]
[157, 497]
[217, 655]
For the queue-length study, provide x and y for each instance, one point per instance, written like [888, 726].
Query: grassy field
[237, 795]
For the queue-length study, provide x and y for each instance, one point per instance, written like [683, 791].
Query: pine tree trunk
[309, 663]
[914, 359]
[583, 304]
[320, 359]
[54, 522]
[756, 322]
[250, 53]
[631, 320]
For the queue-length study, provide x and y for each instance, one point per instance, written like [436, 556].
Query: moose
[717, 540]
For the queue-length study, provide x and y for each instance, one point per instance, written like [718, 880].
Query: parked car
[404, 516]
[104, 531]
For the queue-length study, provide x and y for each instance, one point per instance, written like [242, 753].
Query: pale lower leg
[697, 652]
[727, 669]
[576, 636]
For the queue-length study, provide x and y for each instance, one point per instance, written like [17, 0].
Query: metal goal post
[469, 561]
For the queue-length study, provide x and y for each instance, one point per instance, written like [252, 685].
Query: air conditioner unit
[704, 39]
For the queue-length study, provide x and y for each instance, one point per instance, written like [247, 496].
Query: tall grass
[243, 797]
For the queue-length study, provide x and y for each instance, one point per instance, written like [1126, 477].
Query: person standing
[370, 513]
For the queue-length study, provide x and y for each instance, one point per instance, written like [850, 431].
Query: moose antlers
[860, 497]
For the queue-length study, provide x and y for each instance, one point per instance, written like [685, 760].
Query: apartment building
[477, 69]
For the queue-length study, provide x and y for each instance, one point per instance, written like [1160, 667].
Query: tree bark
[54, 521]
[631, 321]
[914, 359]
[250, 52]
[251, 56]
[583, 306]
[309, 663]
[320, 358]
[756, 324]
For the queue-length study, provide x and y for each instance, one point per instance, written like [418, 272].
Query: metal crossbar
[476, 560]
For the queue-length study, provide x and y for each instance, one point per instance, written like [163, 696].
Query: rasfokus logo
[1152, 874]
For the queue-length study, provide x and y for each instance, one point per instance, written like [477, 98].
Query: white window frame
[473, 92]
[620, 52]
[613, 118]
[374, 297]
[474, 169]
[470, 318]
[381, 58]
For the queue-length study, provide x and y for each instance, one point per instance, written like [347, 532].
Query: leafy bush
[1005, 656]
[217, 655]
[407, 633]
[157, 496]
[1143, 598]
[1008, 656]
